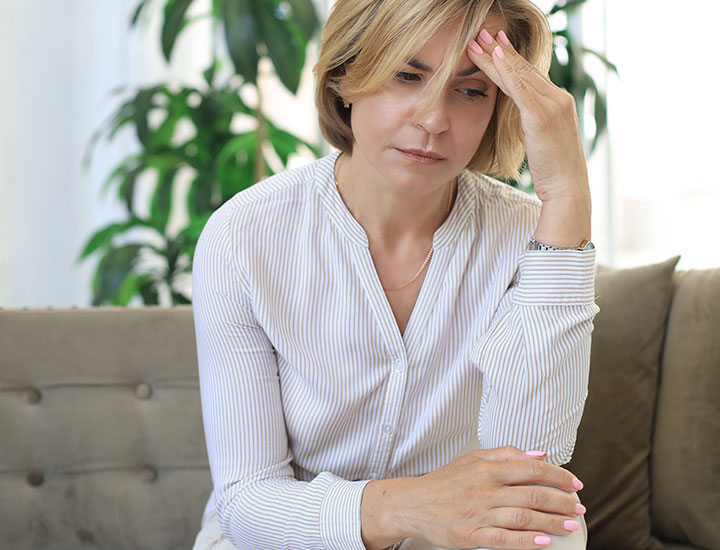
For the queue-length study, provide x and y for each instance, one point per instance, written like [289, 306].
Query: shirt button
[373, 475]
[387, 428]
[399, 365]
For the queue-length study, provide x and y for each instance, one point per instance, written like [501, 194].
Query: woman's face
[420, 154]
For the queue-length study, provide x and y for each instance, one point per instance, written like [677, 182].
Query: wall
[59, 61]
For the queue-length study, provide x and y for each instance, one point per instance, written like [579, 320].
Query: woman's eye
[471, 93]
[407, 77]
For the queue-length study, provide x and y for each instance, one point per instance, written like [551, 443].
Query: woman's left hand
[552, 138]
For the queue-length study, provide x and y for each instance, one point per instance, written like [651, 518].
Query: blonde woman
[393, 346]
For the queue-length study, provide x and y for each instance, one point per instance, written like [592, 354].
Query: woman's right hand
[496, 498]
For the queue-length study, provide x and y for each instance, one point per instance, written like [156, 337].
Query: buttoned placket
[398, 354]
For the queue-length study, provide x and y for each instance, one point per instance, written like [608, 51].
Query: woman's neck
[391, 217]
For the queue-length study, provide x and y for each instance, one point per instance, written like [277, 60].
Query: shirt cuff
[340, 515]
[556, 277]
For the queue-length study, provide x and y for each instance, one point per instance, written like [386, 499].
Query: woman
[360, 319]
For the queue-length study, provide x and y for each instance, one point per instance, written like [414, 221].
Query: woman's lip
[419, 155]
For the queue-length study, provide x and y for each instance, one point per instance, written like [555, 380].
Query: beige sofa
[102, 440]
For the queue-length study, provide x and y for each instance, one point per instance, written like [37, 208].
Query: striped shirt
[308, 388]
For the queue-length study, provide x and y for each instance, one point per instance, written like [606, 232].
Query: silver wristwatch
[534, 245]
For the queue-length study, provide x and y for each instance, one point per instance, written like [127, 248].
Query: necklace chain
[427, 257]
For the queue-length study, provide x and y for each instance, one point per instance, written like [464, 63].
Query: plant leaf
[600, 115]
[143, 104]
[147, 287]
[567, 6]
[136, 15]
[111, 272]
[126, 191]
[104, 236]
[165, 132]
[174, 20]
[241, 37]
[116, 121]
[209, 73]
[304, 14]
[284, 143]
[191, 233]
[608, 64]
[181, 299]
[285, 45]
[241, 143]
[287, 136]
[217, 6]
[162, 198]
[199, 198]
[126, 291]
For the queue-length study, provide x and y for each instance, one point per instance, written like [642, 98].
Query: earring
[346, 105]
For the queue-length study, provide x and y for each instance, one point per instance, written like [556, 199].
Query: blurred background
[655, 186]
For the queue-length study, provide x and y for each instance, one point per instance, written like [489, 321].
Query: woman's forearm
[380, 511]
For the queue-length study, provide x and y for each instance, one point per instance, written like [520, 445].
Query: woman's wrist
[565, 223]
[381, 512]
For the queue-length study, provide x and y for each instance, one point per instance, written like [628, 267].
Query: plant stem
[260, 169]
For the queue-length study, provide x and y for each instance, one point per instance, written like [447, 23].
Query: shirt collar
[462, 212]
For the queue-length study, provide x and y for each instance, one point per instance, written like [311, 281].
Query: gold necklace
[427, 257]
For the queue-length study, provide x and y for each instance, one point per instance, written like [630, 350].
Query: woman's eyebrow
[470, 70]
[420, 66]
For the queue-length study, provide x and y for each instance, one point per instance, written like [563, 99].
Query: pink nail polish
[571, 525]
[535, 453]
[485, 36]
[580, 509]
[477, 48]
[499, 52]
[503, 38]
[541, 540]
[577, 484]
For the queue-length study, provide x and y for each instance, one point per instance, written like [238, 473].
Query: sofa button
[143, 390]
[35, 478]
[148, 474]
[33, 396]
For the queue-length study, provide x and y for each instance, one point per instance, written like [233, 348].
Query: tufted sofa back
[101, 438]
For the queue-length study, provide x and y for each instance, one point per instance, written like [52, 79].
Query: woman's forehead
[432, 53]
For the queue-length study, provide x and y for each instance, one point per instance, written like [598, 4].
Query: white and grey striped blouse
[308, 388]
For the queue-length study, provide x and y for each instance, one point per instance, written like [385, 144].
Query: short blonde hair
[365, 42]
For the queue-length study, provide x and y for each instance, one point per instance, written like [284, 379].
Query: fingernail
[577, 483]
[499, 52]
[485, 36]
[542, 540]
[580, 509]
[503, 38]
[477, 48]
[571, 525]
[535, 453]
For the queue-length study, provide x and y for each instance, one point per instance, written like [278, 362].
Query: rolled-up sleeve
[259, 503]
[535, 358]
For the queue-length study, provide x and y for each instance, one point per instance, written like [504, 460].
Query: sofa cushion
[686, 449]
[105, 449]
[613, 446]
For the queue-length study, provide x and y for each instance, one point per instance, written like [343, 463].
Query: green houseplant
[140, 256]
[150, 263]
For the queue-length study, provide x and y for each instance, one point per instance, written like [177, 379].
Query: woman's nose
[435, 118]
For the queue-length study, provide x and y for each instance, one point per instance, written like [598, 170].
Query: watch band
[534, 245]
